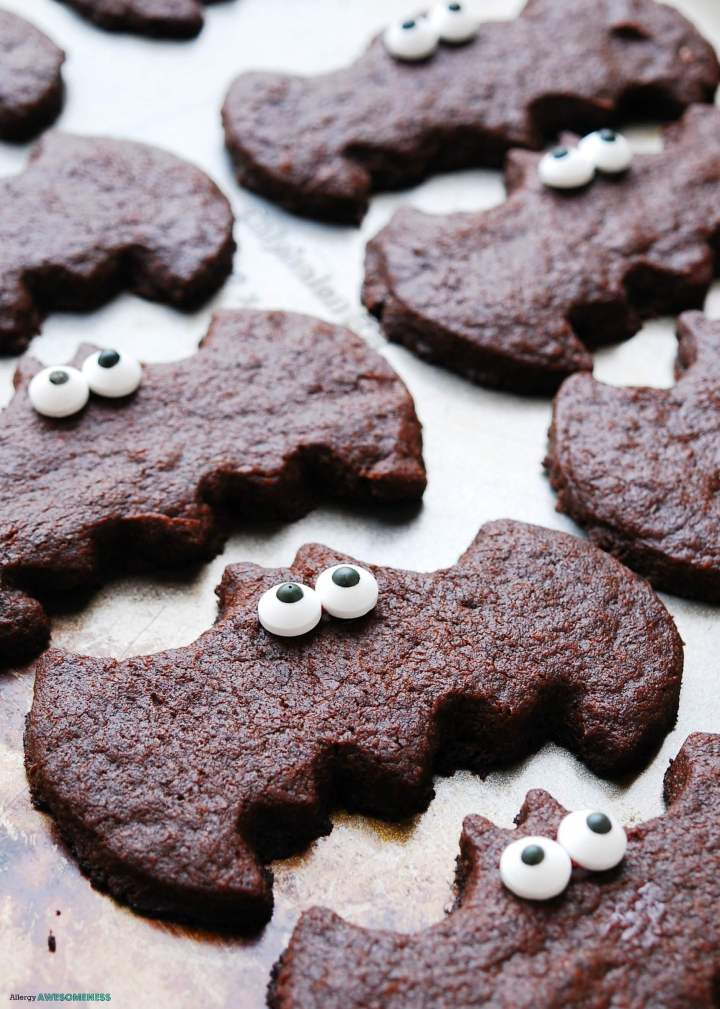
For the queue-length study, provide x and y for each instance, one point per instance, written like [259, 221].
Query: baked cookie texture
[275, 412]
[639, 468]
[517, 296]
[175, 777]
[170, 19]
[89, 217]
[31, 85]
[643, 934]
[319, 146]
[24, 627]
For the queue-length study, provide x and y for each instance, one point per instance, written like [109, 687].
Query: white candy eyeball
[411, 39]
[347, 591]
[609, 151]
[566, 168]
[59, 391]
[453, 22]
[289, 609]
[594, 840]
[536, 868]
[112, 374]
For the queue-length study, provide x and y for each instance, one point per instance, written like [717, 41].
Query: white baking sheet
[483, 451]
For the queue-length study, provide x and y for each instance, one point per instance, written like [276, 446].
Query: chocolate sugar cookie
[31, 86]
[643, 933]
[320, 146]
[518, 295]
[24, 627]
[174, 777]
[89, 217]
[640, 468]
[170, 19]
[106, 464]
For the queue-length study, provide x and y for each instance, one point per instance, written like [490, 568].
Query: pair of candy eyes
[291, 609]
[538, 868]
[61, 391]
[417, 38]
[573, 167]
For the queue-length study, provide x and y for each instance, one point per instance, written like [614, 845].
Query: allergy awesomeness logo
[63, 996]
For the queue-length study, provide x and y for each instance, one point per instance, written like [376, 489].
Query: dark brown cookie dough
[89, 217]
[516, 296]
[174, 777]
[320, 145]
[275, 412]
[643, 934]
[170, 19]
[31, 86]
[640, 468]
[24, 627]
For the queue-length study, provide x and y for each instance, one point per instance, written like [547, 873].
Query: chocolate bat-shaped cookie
[321, 145]
[645, 933]
[89, 217]
[515, 296]
[31, 87]
[640, 468]
[170, 19]
[274, 412]
[173, 777]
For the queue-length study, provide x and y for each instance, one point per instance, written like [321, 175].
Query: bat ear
[520, 169]
[540, 813]
[28, 366]
[693, 777]
[698, 344]
[314, 557]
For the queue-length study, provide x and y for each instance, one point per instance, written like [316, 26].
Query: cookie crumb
[52, 943]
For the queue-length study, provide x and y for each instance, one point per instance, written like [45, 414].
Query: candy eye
[411, 39]
[59, 391]
[566, 168]
[609, 151]
[289, 609]
[347, 591]
[453, 22]
[594, 840]
[112, 374]
[536, 868]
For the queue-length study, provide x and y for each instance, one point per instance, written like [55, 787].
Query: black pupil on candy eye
[289, 593]
[59, 377]
[345, 577]
[408, 25]
[560, 152]
[532, 854]
[108, 358]
[454, 8]
[599, 823]
[608, 135]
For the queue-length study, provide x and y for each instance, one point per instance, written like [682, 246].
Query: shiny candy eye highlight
[566, 168]
[536, 868]
[412, 39]
[289, 609]
[453, 22]
[59, 391]
[347, 591]
[592, 839]
[609, 151]
[112, 374]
